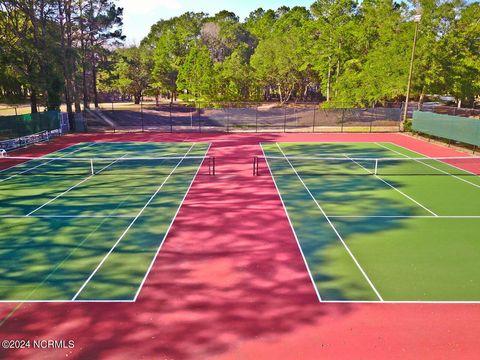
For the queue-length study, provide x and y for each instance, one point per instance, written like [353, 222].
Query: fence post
[343, 119]
[171, 119]
[112, 107]
[373, 118]
[285, 120]
[295, 116]
[314, 118]
[199, 121]
[141, 111]
[400, 118]
[228, 121]
[256, 119]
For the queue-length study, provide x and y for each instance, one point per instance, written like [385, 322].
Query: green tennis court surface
[79, 229]
[394, 230]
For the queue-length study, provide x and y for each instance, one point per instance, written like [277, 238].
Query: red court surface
[230, 283]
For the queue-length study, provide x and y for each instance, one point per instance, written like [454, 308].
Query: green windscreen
[23, 125]
[456, 128]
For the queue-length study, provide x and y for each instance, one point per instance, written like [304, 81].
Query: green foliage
[196, 78]
[342, 51]
[235, 77]
[407, 125]
[52, 50]
[130, 74]
[280, 60]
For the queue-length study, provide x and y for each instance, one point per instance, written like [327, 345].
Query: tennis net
[15, 166]
[440, 166]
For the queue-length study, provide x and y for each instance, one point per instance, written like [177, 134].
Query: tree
[170, 42]
[279, 61]
[131, 73]
[334, 27]
[381, 34]
[196, 77]
[101, 22]
[235, 76]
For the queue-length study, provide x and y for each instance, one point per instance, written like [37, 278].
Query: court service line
[40, 157]
[430, 166]
[42, 164]
[130, 226]
[170, 225]
[334, 228]
[68, 216]
[73, 187]
[70, 254]
[393, 187]
[291, 226]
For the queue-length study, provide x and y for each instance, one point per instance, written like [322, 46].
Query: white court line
[40, 157]
[64, 301]
[430, 166]
[403, 217]
[333, 228]
[42, 164]
[67, 216]
[293, 229]
[170, 225]
[389, 302]
[393, 187]
[429, 302]
[435, 158]
[73, 187]
[129, 226]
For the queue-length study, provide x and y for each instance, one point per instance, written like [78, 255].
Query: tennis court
[86, 223]
[379, 222]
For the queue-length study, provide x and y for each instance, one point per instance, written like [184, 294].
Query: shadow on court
[230, 282]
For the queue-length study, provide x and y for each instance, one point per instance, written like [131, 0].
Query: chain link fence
[307, 118]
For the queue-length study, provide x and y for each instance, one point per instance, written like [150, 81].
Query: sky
[140, 15]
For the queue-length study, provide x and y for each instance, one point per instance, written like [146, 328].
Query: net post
[376, 167]
[254, 172]
[92, 170]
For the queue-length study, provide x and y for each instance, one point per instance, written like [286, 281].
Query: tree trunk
[83, 46]
[421, 99]
[280, 94]
[66, 74]
[94, 85]
[329, 77]
[33, 101]
[137, 99]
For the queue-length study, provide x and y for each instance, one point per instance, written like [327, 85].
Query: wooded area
[336, 51]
